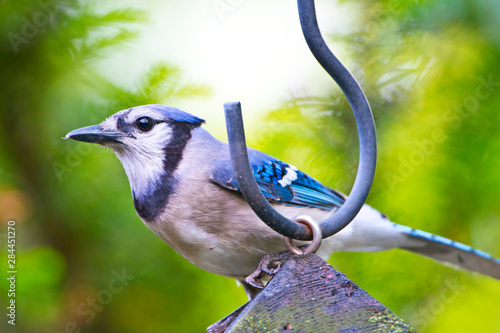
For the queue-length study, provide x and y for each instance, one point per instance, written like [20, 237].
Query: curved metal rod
[362, 113]
[367, 141]
[247, 183]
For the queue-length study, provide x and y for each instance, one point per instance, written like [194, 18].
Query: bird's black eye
[145, 124]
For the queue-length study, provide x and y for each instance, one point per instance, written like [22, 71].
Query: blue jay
[184, 190]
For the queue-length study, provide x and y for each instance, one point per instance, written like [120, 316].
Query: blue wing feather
[280, 182]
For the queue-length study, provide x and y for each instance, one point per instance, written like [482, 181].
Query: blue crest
[176, 115]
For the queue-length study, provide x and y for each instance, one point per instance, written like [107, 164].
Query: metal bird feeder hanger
[367, 142]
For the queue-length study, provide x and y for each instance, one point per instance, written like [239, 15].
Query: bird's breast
[219, 233]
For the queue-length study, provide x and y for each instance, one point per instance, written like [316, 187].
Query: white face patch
[289, 177]
[142, 153]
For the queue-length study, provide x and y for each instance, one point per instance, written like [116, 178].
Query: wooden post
[309, 295]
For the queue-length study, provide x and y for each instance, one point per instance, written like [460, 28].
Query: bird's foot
[269, 265]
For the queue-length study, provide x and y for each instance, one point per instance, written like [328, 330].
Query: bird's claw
[269, 265]
[254, 279]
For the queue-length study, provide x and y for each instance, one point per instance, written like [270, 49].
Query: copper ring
[317, 236]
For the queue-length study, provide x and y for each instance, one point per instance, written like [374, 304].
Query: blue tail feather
[449, 251]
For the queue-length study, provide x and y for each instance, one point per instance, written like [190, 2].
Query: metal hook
[367, 142]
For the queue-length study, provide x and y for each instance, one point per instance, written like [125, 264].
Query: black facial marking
[123, 126]
[181, 133]
[150, 206]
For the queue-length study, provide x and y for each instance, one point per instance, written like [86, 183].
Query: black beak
[94, 134]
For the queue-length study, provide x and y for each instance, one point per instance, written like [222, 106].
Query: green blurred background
[430, 70]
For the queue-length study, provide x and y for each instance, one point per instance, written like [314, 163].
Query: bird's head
[148, 140]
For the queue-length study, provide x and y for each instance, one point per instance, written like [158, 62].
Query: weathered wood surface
[308, 295]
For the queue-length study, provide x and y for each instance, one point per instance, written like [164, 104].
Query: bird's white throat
[143, 161]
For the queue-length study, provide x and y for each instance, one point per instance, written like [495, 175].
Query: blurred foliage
[431, 73]
[423, 65]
